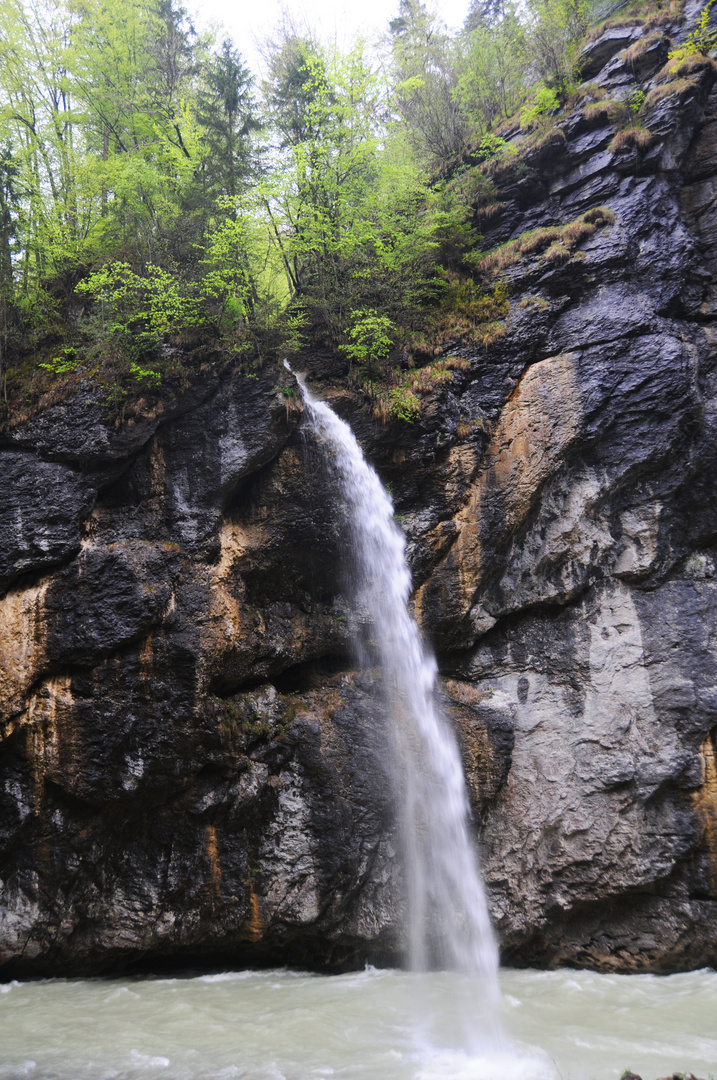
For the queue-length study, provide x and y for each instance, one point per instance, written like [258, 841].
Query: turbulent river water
[280, 1025]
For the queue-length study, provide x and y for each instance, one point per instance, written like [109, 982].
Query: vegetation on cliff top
[159, 210]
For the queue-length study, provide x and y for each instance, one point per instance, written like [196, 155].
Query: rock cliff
[192, 766]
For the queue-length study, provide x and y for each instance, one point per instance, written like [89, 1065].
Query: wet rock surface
[193, 769]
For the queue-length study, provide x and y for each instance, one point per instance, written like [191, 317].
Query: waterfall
[448, 923]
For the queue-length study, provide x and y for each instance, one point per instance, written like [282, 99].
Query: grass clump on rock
[635, 136]
[557, 240]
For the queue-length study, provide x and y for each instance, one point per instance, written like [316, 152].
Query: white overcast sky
[248, 21]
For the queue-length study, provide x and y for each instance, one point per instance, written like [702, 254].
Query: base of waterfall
[283, 1025]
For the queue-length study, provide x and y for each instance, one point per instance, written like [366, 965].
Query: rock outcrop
[192, 767]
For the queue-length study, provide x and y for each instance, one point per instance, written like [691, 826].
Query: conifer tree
[227, 116]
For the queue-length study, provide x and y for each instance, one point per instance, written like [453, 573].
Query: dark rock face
[192, 768]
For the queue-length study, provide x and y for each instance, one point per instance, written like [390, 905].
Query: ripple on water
[372, 1025]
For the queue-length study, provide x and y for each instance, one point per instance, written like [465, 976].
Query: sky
[248, 21]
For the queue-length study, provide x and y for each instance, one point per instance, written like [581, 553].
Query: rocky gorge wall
[193, 769]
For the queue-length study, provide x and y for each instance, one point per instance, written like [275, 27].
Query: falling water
[448, 924]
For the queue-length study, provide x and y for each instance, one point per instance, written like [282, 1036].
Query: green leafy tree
[9, 210]
[545, 101]
[425, 85]
[555, 31]
[325, 164]
[370, 338]
[703, 38]
[491, 70]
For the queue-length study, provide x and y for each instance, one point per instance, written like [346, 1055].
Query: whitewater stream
[279, 1025]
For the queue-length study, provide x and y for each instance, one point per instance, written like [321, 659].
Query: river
[371, 1025]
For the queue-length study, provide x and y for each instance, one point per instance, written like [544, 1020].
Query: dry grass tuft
[650, 14]
[578, 231]
[600, 216]
[593, 90]
[616, 23]
[537, 240]
[424, 380]
[491, 333]
[398, 396]
[465, 309]
[489, 214]
[539, 303]
[663, 18]
[668, 90]
[683, 67]
[641, 47]
[557, 253]
[556, 239]
[637, 137]
[604, 112]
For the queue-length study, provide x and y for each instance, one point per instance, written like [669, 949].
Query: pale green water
[280, 1025]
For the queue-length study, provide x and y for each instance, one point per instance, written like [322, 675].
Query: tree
[482, 13]
[9, 206]
[425, 85]
[227, 117]
[555, 31]
[491, 70]
[326, 111]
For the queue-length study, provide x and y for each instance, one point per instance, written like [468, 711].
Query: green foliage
[545, 101]
[145, 375]
[403, 404]
[64, 363]
[702, 40]
[370, 338]
[490, 146]
[147, 197]
[143, 309]
[426, 85]
[397, 396]
[227, 115]
[635, 101]
[556, 30]
[491, 72]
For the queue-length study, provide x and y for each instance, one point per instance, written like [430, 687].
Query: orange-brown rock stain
[51, 733]
[231, 622]
[252, 928]
[536, 427]
[215, 869]
[706, 804]
[146, 657]
[480, 763]
[23, 637]
[157, 469]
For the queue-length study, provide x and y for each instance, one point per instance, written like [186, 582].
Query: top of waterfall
[301, 379]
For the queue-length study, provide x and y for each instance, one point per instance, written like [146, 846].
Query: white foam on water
[269, 1025]
[459, 1065]
[147, 1060]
